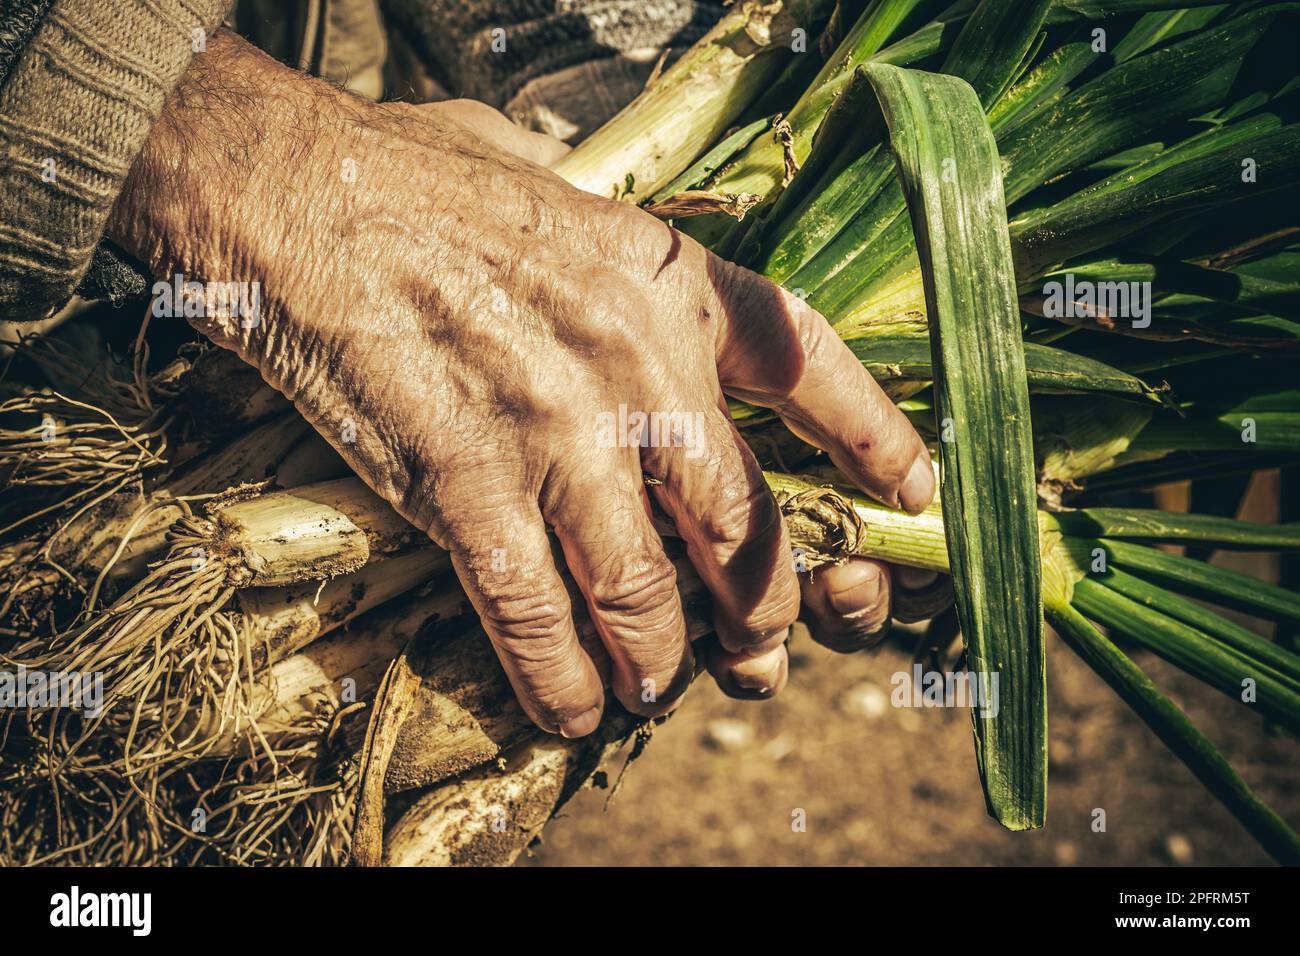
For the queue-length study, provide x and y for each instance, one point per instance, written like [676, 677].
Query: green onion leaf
[1198, 579]
[1242, 639]
[951, 174]
[1221, 667]
[1174, 527]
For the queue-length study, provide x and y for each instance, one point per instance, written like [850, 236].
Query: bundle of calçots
[960, 178]
[961, 189]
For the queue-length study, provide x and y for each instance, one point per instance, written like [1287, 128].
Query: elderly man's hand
[484, 344]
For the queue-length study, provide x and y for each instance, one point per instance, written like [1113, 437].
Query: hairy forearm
[83, 84]
[219, 165]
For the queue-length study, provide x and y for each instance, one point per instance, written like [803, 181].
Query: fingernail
[858, 590]
[914, 579]
[760, 673]
[917, 490]
[581, 725]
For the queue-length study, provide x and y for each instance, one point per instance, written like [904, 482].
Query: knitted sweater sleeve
[81, 83]
[490, 49]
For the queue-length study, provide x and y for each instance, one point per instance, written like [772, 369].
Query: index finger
[774, 350]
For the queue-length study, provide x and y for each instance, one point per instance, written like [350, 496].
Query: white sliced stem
[691, 105]
[307, 533]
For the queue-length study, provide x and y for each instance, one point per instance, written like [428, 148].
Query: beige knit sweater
[74, 112]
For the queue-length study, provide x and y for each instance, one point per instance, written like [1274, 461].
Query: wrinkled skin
[456, 320]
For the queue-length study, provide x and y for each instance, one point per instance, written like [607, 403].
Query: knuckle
[538, 617]
[759, 626]
[633, 587]
[636, 603]
[744, 290]
[748, 545]
[808, 345]
[531, 632]
[743, 511]
[624, 222]
[769, 618]
[770, 328]
[817, 345]
[605, 315]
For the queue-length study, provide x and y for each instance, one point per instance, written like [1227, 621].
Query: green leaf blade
[1172, 527]
[1049, 370]
[1231, 634]
[1222, 586]
[948, 163]
[1188, 649]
